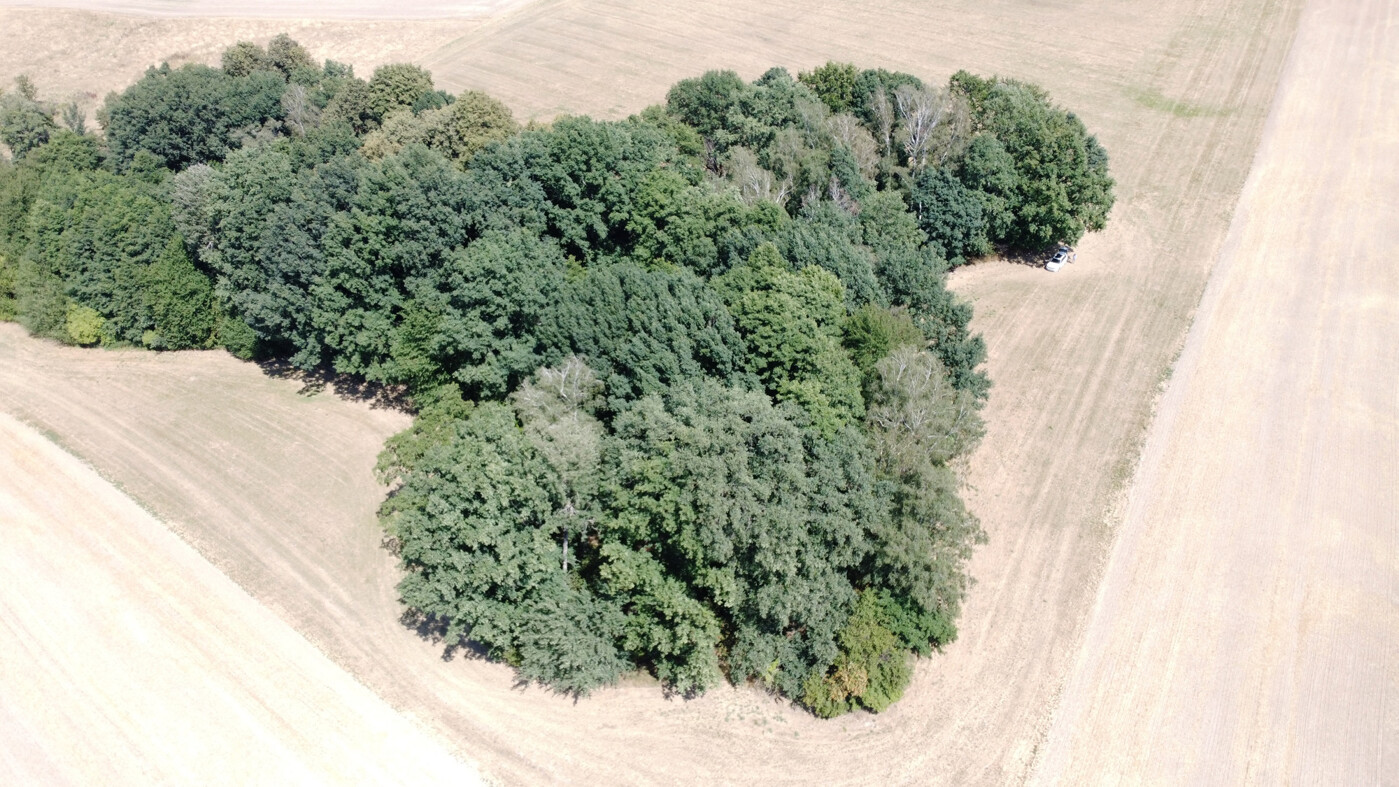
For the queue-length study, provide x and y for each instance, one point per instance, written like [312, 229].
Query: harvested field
[278, 9]
[1247, 630]
[75, 55]
[126, 657]
[275, 488]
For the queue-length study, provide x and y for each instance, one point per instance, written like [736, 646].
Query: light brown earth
[1247, 629]
[115, 634]
[275, 488]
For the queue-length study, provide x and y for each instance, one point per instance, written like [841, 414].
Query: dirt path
[1247, 630]
[126, 658]
[1178, 91]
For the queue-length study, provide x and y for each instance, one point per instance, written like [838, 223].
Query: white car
[1057, 261]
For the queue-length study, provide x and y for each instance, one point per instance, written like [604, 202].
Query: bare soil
[1247, 630]
[125, 657]
[275, 487]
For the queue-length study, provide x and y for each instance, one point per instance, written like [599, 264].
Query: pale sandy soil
[125, 657]
[276, 488]
[1247, 629]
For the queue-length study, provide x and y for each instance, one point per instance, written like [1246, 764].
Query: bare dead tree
[301, 114]
[847, 130]
[754, 183]
[711, 157]
[842, 198]
[920, 110]
[553, 409]
[884, 119]
[74, 118]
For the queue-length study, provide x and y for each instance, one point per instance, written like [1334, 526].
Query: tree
[25, 124]
[457, 131]
[790, 323]
[189, 206]
[471, 122]
[849, 134]
[486, 330]
[873, 332]
[835, 83]
[644, 330]
[189, 115]
[950, 214]
[989, 171]
[875, 86]
[472, 518]
[667, 629]
[919, 422]
[97, 234]
[300, 113]
[267, 251]
[726, 111]
[555, 411]
[568, 641]
[752, 513]
[397, 86]
[353, 103]
[920, 111]
[871, 671]
[289, 57]
[25, 88]
[706, 103]
[74, 119]
[181, 300]
[674, 220]
[8, 306]
[1063, 188]
[243, 58]
[387, 243]
[824, 237]
[916, 279]
[574, 182]
[84, 325]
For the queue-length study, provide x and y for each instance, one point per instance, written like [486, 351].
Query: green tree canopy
[25, 123]
[1063, 188]
[950, 214]
[690, 386]
[189, 115]
[397, 86]
[791, 324]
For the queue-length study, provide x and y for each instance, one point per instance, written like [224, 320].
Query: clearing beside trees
[276, 489]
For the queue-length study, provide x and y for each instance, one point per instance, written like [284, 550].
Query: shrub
[84, 325]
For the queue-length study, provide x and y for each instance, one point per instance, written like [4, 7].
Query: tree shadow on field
[433, 629]
[1028, 258]
[345, 386]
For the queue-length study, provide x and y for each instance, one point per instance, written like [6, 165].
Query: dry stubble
[125, 657]
[1247, 630]
[1177, 92]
